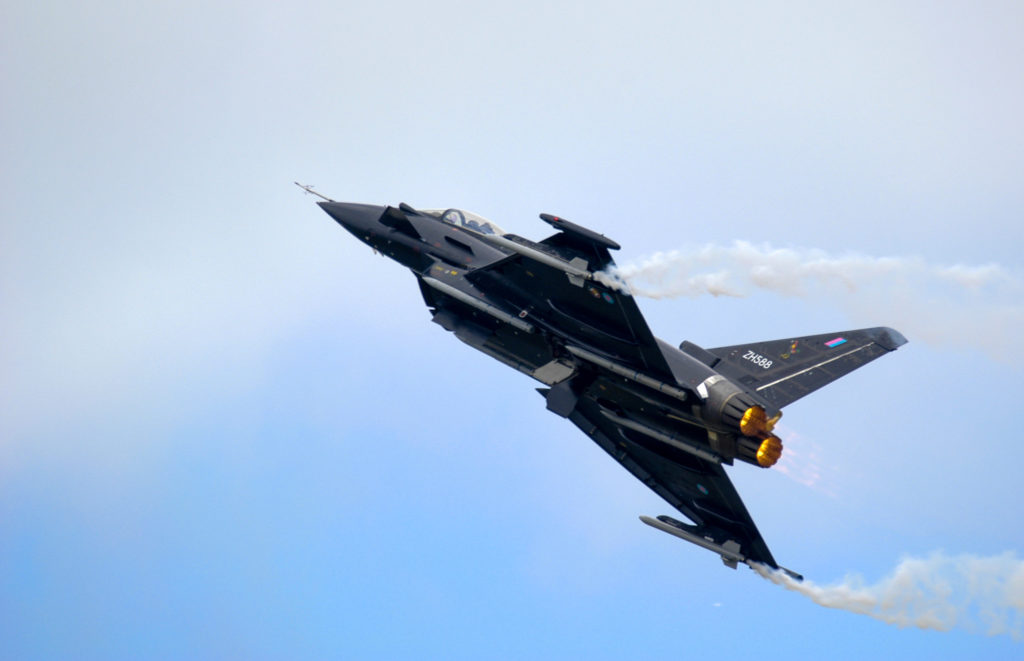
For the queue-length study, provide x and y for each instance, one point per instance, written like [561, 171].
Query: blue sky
[228, 430]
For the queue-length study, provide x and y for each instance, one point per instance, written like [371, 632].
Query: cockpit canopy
[466, 220]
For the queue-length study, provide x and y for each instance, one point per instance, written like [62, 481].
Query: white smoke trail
[962, 305]
[939, 592]
[790, 272]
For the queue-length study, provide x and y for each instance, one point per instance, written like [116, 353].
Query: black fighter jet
[671, 416]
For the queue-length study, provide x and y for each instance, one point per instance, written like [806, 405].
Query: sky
[229, 430]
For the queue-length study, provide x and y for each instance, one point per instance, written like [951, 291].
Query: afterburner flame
[754, 422]
[769, 452]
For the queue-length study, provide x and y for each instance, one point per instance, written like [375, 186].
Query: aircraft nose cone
[356, 218]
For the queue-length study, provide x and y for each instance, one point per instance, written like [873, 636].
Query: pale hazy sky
[227, 429]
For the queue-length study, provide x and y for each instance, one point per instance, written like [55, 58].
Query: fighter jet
[672, 416]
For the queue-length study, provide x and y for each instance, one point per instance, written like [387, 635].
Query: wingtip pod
[729, 551]
[768, 571]
[579, 231]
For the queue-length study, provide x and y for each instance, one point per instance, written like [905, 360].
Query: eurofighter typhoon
[672, 416]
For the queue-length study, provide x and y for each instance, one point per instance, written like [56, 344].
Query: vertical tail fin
[783, 371]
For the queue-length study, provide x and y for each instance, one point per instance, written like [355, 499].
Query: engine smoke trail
[939, 592]
[961, 305]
